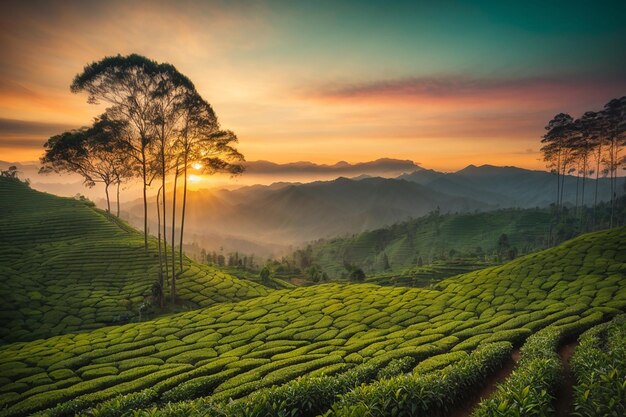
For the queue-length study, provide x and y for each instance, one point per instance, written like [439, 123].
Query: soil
[466, 409]
[565, 394]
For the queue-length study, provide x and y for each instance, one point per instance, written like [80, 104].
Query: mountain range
[269, 219]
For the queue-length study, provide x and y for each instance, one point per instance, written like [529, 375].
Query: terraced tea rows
[230, 350]
[432, 237]
[599, 365]
[66, 267]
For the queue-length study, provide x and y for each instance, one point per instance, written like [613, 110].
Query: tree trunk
[595, 200]
[563, 183]
[145, 197]
[161, 283]
[167, 272]
[558, 184]
[182, 218]
[577, 186]
[612, 168]
[174, 224]
[106, 191]
[118, 199]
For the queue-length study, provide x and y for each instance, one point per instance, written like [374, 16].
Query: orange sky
[328, 91]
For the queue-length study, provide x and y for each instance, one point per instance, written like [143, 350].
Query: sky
[444, 84]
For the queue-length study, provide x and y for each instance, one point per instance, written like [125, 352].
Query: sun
[196, 165]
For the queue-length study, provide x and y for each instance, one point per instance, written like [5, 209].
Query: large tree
[127, 84]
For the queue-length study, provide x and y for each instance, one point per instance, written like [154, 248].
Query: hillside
[68, 267]
[431, 238]
[353, 334]
[284, 214]
[267, 220]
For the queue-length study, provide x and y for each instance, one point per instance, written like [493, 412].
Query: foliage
[300, 347]
[434, 394]
[530, 389]
[599, 365]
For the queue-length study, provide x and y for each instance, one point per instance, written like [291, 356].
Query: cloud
[22, 134]
[461, 89]
[23, 127]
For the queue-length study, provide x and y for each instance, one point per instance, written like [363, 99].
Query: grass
[67, 267]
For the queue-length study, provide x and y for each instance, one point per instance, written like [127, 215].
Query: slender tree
[202, 143]
[161, 283]
[556, 152]
[615, 122]
[583, 144]
[169, 103]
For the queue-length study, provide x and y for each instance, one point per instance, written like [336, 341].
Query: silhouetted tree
[128, 84]
[94, 153]
[556, 151]
[614, 122]
[10, 172]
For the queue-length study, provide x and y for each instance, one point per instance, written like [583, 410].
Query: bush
[599, 366]
[529, 390]
[434, 394]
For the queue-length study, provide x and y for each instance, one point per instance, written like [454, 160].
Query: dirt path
[565, 394]
[465, 410]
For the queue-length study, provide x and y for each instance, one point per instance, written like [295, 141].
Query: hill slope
[232, 349]
[302, 212]
[67, 267]
[432, 237]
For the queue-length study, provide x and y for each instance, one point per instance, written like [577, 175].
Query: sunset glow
[321, 81]
[194, 178]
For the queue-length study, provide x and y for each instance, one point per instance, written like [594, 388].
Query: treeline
[587, 146]
[156, 127]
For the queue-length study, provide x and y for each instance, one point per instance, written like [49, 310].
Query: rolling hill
[67, 267]
[431, 238]
[336, 337]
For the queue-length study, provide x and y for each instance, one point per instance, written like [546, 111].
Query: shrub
[433, 394]
[599, 366]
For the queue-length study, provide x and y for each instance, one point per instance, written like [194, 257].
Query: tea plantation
[335, 349]
[67, 267]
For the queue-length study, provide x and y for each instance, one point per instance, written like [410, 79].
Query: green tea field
[67, 267]
[332, 349]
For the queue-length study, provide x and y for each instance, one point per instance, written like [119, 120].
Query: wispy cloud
[464, 87]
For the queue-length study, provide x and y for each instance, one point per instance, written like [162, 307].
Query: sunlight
[195, 178]
[196, 165]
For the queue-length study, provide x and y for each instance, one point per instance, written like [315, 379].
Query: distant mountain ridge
[263, 219]
[509, 186]
[381, 166]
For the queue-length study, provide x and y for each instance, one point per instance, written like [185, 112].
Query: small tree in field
[265, 275]
[93, 153]
[357, 275]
